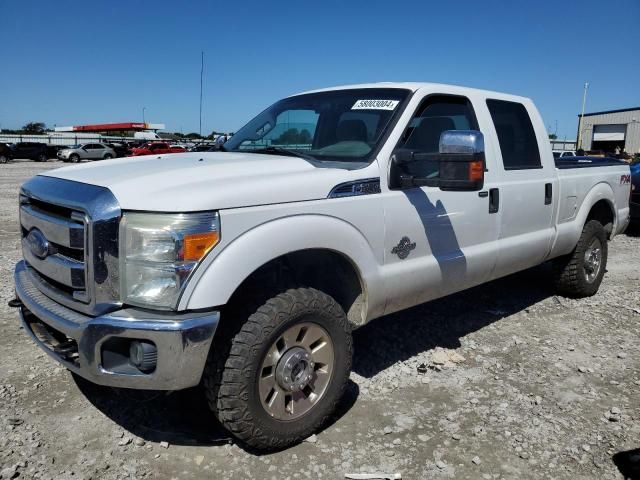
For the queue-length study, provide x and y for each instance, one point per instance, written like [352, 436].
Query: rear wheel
[287, 368]
[74, 158]
[107, 156]
[4, 159]
[42, 157]
[580, 273]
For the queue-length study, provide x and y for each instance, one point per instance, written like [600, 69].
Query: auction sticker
[375, 105]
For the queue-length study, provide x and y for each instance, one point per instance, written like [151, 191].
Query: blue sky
[69, 63]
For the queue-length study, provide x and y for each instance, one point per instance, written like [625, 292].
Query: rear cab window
[516, 136]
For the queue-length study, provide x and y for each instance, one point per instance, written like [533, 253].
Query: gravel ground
[502, 381]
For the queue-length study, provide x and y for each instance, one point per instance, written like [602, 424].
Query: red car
[155, 148]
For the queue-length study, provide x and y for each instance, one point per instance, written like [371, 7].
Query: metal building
[607, 130]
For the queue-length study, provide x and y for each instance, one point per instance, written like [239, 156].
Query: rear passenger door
[526, 187]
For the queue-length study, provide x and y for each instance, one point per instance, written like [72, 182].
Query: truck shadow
[441, 323]
[179, 418]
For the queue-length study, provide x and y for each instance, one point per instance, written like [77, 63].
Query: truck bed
[586, 162]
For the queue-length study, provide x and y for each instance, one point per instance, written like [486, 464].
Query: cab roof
[415, 86]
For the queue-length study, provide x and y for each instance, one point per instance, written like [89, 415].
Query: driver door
[436, 242]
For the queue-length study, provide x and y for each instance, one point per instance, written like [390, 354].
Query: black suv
[31, 150]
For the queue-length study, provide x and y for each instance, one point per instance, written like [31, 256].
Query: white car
[246, 270]
[87, 151]
[563, 153]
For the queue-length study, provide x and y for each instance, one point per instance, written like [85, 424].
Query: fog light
[143, 355]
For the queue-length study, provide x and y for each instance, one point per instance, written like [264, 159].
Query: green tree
[552, 136]
[192, 135]
[34, 128]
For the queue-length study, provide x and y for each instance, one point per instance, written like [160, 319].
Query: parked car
[563, 153]
[202, 148]
[31, 150]
[155, 148]
[405, 192]
[5, 153]
[634, 202]
[121, 149]
[52, 150]
[87, 151]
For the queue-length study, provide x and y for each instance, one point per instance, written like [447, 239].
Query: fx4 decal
[625, 179]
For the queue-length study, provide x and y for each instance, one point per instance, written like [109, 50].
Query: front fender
[219, 276]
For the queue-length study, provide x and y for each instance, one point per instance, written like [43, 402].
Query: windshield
[338, 125]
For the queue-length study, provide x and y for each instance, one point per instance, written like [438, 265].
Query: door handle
[494, 200]
[548, 193]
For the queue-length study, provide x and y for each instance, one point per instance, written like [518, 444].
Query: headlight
[158, 252]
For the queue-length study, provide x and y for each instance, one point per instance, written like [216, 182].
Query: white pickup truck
[245, 270]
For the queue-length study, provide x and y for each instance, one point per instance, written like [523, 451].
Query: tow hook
[15, 303]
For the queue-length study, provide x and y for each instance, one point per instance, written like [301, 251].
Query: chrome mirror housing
[461, 142]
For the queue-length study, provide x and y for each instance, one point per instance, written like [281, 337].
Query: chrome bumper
[94, 347]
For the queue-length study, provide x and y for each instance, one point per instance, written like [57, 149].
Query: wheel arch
[316, 251]
[598, 204]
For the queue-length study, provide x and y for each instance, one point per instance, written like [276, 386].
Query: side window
[436, 114]
[518, 142]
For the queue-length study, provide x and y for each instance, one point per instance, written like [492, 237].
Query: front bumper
[96, 347]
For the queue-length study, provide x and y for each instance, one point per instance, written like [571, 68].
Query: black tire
[232, 384]
[4, 159]
[74, 158]
[42, 157]
[575, 276]
[107, 156]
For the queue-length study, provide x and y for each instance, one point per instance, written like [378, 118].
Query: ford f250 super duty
[245, 270]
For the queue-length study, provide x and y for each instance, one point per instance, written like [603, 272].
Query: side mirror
[458, 166]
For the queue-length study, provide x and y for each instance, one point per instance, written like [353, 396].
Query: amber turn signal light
[476, 170]
[197, 245]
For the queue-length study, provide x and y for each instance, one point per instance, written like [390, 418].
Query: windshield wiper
[281, 151]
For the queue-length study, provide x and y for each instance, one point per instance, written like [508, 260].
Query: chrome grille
[70, 242]
[64, 265]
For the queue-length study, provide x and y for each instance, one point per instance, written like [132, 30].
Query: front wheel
[287, 369]
[4, 159]
[580, 273]
[74, 158]
[42, 157]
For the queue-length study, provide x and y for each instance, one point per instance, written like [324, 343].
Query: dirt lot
[518, 383]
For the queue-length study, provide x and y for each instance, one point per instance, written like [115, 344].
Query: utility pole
[143, 109]
[201, 72]
[584, 102]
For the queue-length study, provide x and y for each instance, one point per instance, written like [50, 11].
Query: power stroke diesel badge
[403, 249]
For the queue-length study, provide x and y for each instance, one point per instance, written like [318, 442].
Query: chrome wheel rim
[296, 371]
[593, 260]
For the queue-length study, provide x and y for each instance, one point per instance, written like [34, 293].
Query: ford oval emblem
[38, 243]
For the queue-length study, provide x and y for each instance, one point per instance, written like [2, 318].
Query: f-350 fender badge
[403, 249]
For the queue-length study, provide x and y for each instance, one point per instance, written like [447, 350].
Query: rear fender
[569, 232]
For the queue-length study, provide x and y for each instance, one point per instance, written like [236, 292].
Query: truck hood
[195, 181]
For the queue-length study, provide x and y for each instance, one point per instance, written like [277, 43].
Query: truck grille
[70, 242]
[63, 265]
